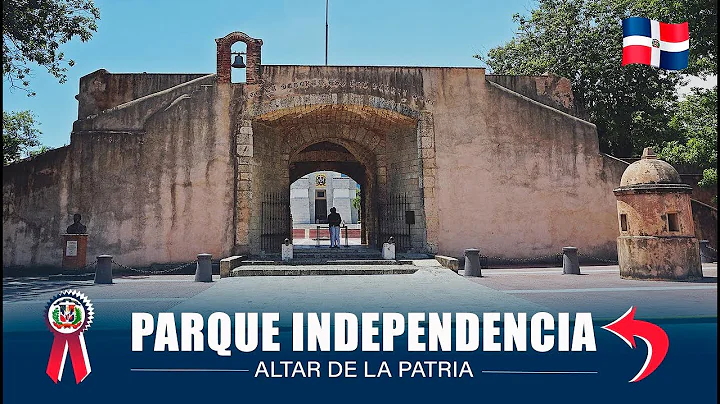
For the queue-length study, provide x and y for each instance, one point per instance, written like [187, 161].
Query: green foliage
[356, 204]
[695, 125]
[709, 179]
[56, 316]
[19, 134]
[78, 316]
[581, 40]
[41, 150]
[33, 31]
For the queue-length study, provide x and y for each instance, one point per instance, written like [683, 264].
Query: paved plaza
[431, 288]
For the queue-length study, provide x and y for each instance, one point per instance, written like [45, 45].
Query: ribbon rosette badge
[68, 315]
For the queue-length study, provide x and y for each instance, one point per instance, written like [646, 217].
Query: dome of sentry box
[649, 170]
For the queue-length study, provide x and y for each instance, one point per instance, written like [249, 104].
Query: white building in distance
[312, 196]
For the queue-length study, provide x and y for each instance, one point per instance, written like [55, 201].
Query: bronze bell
[238, 63]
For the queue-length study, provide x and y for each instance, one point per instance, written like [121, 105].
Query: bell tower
[253, 56]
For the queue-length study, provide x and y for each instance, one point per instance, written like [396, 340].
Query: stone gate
[164, 166]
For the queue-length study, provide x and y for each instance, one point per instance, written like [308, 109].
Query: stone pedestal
[472, 262]
[388, 251]
[287, 252]
[571, 265]
[74, 250]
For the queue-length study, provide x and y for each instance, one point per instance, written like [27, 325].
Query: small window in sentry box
[673, 224]
[623, 222]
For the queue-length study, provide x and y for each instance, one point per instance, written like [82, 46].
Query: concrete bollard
[571, 265]
[103, 271]
[388, 251]
[287, 250]
[472, 262]
[705, 253]
[203, 273]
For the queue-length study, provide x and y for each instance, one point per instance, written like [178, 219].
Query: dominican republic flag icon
[654, 43]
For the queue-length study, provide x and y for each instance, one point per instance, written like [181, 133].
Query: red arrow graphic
[656, 339]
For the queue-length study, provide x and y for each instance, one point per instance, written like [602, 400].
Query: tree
[356, 204]
[19, 134]
[702, 20]
[695, 123]
[33, 31]
[580, 40]
[41, 150]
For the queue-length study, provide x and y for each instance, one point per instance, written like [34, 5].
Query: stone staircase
[323, 255]
[311, 260]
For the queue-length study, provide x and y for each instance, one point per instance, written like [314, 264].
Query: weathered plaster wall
[649, 248]
[153, 180]
[550, 89]
[33, 192]
[183, 170]
[647, 213]
[514, 177]
[101, 90]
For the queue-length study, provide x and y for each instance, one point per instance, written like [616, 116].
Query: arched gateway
[164, 166]
[293, 136]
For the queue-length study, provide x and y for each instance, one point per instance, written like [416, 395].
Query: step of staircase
[324, 253]
[291, 270]
[326, 261]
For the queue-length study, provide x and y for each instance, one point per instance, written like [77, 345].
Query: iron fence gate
[392, 223]
[275, 221]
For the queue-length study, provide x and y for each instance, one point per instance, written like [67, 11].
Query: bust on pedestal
[75, 244]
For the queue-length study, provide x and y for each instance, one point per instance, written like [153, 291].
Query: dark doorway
[320, 207]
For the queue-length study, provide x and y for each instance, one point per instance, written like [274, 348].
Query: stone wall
[101, 90]
[404, 173]
[34, 192]
[516, 178]
[153, 180]
[184, 170]
[552, 90]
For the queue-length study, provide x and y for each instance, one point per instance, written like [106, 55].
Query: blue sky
[162, 36]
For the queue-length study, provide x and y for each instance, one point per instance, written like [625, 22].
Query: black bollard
[103, 271]
[472, 262]
[571, 265]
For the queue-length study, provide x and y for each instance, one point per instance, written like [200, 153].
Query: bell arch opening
[252, 57]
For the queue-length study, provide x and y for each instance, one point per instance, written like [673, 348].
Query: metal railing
[317, 234]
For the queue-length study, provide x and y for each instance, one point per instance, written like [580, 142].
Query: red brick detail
[253, 57]
[298, 233]
[325, 233]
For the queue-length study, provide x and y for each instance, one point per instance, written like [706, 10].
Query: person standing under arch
[334, 221]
